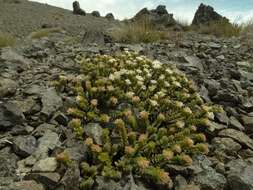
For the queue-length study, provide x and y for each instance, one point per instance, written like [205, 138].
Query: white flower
[129, 94]
[169, 71]
[162, 77]
[144, 87]
[139, 71]
[153, 103]
[157, 64]
[128, 82]
[112, 60]
[140, 83]
[153, 82]
[139, 78]
[166, 84]
[173, 78]
[161, 94]
[112, 77]
[149, 75]
[210, 115]
[179, 104]
[139, 58]
[152, 88]
[177, 84]
[187, 110]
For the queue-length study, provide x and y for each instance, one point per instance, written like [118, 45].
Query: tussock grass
[138, 31]
[6, 40]
[247, 32]
[221, 29]
[44, 32]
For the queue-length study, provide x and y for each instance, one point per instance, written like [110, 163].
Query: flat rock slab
[238, 136]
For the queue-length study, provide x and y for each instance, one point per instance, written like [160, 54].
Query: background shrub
[6, 40]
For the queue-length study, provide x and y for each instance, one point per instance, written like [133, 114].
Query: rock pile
[158, 17]
[205, 14]
[77, 10]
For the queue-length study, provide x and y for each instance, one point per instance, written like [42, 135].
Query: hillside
[20, 19]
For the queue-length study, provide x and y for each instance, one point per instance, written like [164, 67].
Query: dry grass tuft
[137, 32]
[6, 40]
[247, 32]
[221, 29]
[44, 32]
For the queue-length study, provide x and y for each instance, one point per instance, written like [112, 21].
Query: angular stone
[51, 101]
[237, 136]
[24, 145]
[8, 161]
[240, 175]
[234, 123]
[26, 185]
[248, 123]
[222, 118]
[95, 131]
[49, 180]
[7, 87]
[10, 115]
[226, 145]
[45, 165]
[71, 177]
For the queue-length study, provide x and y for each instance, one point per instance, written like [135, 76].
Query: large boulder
[206, 14]
[159, 17]
[77, 9]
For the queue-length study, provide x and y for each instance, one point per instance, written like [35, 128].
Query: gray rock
[61, 118]
[28, 105]
[222, 118]
[225, 145]
[161, 10]
[45, 165]
[103, 184]
[95, 14]
[214, 45]
[51, 102]
[109, 16]
[209, 179]
[49, 180]
[206, 15]
[77, 10]
[238, 136]
[71, 177]
[8, 163]
[194, 62]
[248, 123]
[234, 123]
[24, 146]
[8, 87]
[240, 174]
[10, 115]
[95, 131]
[181, 184]
[212, 85]
[26, 185]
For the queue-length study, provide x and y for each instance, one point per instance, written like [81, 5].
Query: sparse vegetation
[247, 32]
[44, 32]
[137, 31]
[150, 116]
[6, 40]
[220, 29]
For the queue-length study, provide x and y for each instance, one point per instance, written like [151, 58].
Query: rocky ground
[33, 120]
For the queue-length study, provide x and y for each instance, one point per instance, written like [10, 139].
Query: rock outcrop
[206, 14]
[77, 9]
[159, 17]
[109, 16]
[95, 13]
